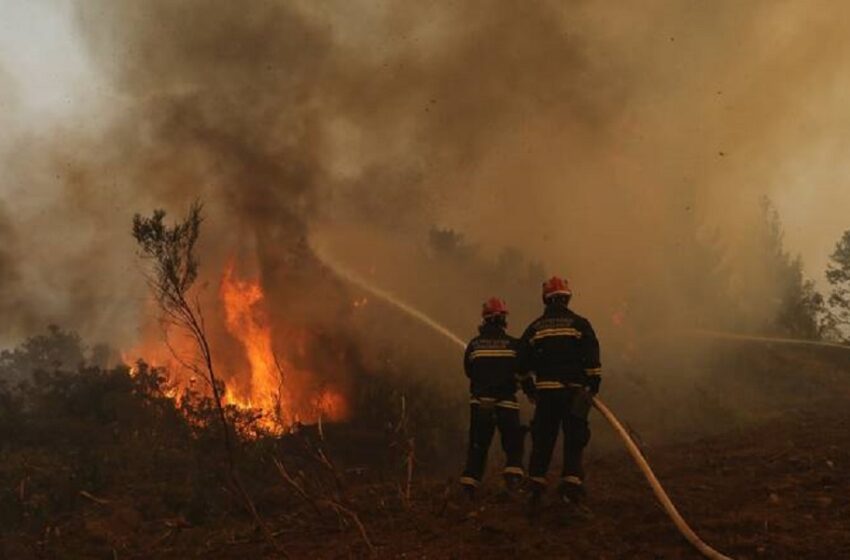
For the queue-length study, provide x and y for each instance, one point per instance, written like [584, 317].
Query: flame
[284, 393]
[272, 384]
[171, 351]
[247, 321]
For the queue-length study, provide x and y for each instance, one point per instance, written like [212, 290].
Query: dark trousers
[557, 410]
[484, 419]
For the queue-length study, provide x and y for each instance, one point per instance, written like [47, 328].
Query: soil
[778, 490]
[781, 490]
[776, 486]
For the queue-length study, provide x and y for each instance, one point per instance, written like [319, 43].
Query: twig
[402, 496]
[162, 538]
[95, 499]
[256, 515]
[356, 518]
[337, 507]
[340, 486]
[321, 430]
[411, 458]
[446, 496]
[294, 483]
[22, 489]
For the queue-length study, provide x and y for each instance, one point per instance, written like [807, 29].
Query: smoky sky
[605, 141]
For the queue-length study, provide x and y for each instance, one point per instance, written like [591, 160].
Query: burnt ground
[779, 490]
[772, 480]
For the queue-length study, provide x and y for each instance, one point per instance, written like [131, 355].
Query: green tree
[800, 306]
[838, 276]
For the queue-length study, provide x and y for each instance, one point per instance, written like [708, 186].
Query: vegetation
[83, 438]
[800, 308]
[774, 297]
[837, 321]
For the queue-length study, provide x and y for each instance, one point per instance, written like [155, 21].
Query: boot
[574, 495]
[572, 492]
[510, 489]
[469, 492]
[535, 499]
[512, 482]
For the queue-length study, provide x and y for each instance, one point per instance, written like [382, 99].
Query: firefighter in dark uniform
[492, 365]
[561, 350]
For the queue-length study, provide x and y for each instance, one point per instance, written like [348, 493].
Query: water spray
[768, 339]
[631, 446]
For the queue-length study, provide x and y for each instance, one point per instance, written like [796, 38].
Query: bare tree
[171, 250]
[175, 269]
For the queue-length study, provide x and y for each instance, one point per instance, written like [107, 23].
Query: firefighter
[492, 365]
[561, 350]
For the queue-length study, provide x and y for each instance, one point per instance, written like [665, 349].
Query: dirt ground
[778, 490]
[771, 482]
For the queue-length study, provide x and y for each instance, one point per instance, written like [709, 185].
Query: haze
[591, 136]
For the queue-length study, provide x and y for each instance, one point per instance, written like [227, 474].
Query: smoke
[623, 146]
[9, 281]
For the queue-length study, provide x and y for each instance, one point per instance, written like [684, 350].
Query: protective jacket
[492, 364]
[561, 349]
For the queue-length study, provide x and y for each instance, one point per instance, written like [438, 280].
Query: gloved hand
[594, 381]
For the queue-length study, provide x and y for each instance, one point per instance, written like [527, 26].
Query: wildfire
[247, 321]
[284, 393]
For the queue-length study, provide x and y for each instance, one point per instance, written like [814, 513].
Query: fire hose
[631, 446]
[646, 470]
[657, 489]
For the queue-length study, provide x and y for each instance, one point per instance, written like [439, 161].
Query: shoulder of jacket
[584, 321]
[536, 322]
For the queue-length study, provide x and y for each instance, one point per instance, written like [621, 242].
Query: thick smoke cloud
[611, 143]
[9, 280]
[278, 120]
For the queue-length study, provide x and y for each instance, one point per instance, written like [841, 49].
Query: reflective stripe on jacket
[491, 363]
[560, 348]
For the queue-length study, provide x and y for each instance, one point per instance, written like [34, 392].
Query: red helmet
[494, 307]
[556, 286]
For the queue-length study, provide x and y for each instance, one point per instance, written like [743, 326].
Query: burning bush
[130, 437]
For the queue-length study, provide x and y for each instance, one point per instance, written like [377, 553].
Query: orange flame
[247, 321]
[284, 393]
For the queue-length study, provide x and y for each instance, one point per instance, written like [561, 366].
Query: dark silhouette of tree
[171, 251]
[174, 263]
[800, 306]
[447, 243]
[838, 276]
[56, 350]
